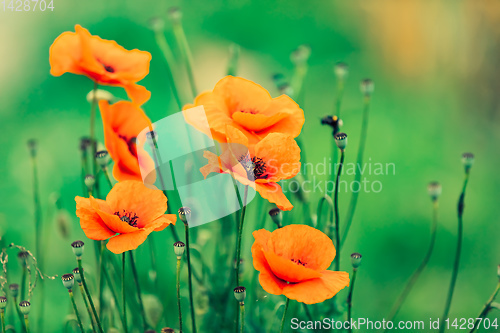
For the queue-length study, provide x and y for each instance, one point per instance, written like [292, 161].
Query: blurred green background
[434, 65]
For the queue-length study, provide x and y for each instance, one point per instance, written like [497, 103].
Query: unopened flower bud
[3, 302]
[301, 55]
[78, 247]
[341, 70]
[14, 289]
[76, 274]
[467, 160]
[174, 14]
[102, 158]
[355, 260]
[32, 145]
[167, 330]
[179, 248]
[240, 293]
[85, 143]
[434, 189]
[185, 214]
[367, 87]
[68, 280]
[341, 140]
[276, 216]
[24, 306]
[89, 182]
[100, 95]
[23, 257]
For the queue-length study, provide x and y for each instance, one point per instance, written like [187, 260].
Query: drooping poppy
[247, 106]
[122, 122]
[294, 260]
[129, 214]
[262, 166]
[104, 61]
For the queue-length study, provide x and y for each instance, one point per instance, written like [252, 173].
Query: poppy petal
[281, 154]
[271, 283]
[90, 221]
[162, 222]
[317, 290]
[291, 125]
[259, 259]
[126, 242]
[114, 223]
[137, 93]
[241, 94]
[288, 270]
[273, 193]
[258, 122]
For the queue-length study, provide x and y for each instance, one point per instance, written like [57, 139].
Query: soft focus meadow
[433, 68]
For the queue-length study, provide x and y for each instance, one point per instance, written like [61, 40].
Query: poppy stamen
[298, 262]
[251, 111]
[255, 167]
[128, 217]
[109, 69]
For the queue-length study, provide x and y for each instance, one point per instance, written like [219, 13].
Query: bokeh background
[435, 68]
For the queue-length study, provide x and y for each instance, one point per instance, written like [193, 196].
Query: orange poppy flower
[122, 122]
[104, 61]
[293, 261]
[129, 214]
[248, 107]
[274, 158]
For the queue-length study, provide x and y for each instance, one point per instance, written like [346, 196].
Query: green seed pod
[14, 289]
[434, 189]
[367, 87]
[78, 247]
[32, 145]
[240, 293]
[185, 214]
[24, 306]
[85, 143]
[467, 160]
[23, 257]
[356, 260]
[174, 14]
[89, 182]
[300, 55]
[340, 140]
[276, 216]
[179, 248]
[167, 330]
[76, 274]
[100, 95]
[102, 158]
[341, 70]
[3, 302]
[68, 280]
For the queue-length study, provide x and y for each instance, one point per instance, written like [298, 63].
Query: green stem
[349, 298]
[80, 268]
[27, 323]
[308, 313]
[77, 314]
[190, 279]
[242, 317]
[240, 233]
[486, 308]
[87, 307]
[179, 293]
[397, 306]
[169, 58]
[93, 140]
[359, 162]
[234, 54]
[319, 211]
[124, 299]
[19, 314]
[187, 57]
[23, 280]
[2, 318]
[115, 295]
[101, 279]
[284, 315]
[138, 287]
[456, 264]
[108, 178]
[38, 210]
[336, 209]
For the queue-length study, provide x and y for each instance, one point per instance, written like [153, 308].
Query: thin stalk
[38, 209]
[76, 311]
[349, 298]
[187, 57]
[397, 306]
[190, 279]
[27, 323]
[284, 315]
[308, 313]
[108, 178]
[359, 162]
[20, 315]
[169, 58]
[87, 306]
[80, 268]
[138, 287]
[319, 211]
[242, 317]
[456, 264]
[336, 209]
[240, 233]
[234, 54]
[23, 280]
[179, 293]
[124, 299]
[2, 318]
[93, 141]
[486, 308]
[152, 256]
[101, 280]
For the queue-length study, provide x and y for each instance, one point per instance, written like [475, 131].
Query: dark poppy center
[255, 167]
[129, 217]
[299, 262]
[251, 111]
[109, 69]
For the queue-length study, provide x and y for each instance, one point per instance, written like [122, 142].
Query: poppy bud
[100, 95]
[24, 306]
[240, 293]
[68, 280]
[301, 55]
[355, 260]
[467, 160]
[14, 289]
[167, 330]
[76, 274]
[367, 87]
[434, 189]
[179, 248]
[276, 216]
[32, 143]
[23, 256]
[85, 143]
[174, 14]
[341, 70]
[78, 248]
[3, 302]
[89, 182]
[102, 158]
[185, 214]
[341, 140]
